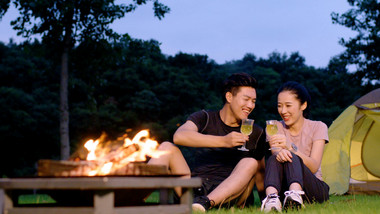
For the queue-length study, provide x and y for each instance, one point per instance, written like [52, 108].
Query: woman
[293, 170]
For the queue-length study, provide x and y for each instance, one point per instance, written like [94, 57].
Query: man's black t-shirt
[218, 163]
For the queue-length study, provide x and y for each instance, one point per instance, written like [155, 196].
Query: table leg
[187, 197]
[166, 196]
[6, 202]
[2, 201]
[104, 201]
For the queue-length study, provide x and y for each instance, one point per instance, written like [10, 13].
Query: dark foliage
[130, 84]
[363, 50]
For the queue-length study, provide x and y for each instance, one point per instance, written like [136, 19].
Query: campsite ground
[337, 204]
[353, 203]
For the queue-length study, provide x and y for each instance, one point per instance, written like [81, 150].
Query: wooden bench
[103, 194]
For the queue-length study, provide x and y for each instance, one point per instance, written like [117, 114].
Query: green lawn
[337, 204]
[367, 204]
[347, 204]
[35, 199]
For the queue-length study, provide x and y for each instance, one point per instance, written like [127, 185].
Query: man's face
[243, 102]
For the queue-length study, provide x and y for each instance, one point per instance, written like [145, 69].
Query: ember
[108, 158]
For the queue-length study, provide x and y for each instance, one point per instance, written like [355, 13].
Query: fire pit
[102, 179]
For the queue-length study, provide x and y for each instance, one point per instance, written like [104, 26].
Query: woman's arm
[314, 161]
[279, 147]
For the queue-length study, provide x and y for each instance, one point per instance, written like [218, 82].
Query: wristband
[294, 147]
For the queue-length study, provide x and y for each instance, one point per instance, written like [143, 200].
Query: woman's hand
[278, 141]
[284, 155]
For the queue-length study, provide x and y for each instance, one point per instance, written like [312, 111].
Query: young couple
[228, 174]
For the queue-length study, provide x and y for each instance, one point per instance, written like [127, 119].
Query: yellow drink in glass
[271, 129]
[246, 129]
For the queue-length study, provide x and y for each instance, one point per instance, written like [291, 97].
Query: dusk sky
[227, 30]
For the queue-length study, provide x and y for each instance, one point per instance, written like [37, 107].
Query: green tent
[354, 147]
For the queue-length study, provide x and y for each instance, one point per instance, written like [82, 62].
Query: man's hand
[235, 139]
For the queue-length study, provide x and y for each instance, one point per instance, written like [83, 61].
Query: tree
[364, 49]
[64, 23]
[4, 5]
[29, 126]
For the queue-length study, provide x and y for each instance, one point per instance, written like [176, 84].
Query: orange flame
[133, 150]
[91, 147]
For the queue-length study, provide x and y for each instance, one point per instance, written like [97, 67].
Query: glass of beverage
[246, 128]
[271, 127]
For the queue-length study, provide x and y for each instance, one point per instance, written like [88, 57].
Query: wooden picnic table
[103, 190]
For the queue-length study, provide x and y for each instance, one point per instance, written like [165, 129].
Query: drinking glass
[271, 129]
[246, 128]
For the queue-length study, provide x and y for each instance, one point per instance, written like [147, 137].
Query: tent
[353, 151]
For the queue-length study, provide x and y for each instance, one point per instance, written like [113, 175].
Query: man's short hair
[235, 81]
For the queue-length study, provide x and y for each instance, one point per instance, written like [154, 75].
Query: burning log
[62, 168]
[121, 153]
[127, 159]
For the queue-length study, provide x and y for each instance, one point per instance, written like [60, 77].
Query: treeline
[131, 84]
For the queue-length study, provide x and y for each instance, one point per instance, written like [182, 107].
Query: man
[228, 174]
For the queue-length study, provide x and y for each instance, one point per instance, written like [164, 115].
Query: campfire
[100, 157]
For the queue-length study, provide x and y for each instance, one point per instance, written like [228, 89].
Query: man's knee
[167, 146]
[250, 164]
[249, 161]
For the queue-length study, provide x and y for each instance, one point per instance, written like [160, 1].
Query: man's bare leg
[173, 160]
[236, 183]
[259, 179]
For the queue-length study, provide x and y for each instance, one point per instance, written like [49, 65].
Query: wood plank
[159, 209]
[164, 209]
[50, 210]
[99, 183]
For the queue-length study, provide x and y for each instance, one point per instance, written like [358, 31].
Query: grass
[348, 204]
[35, 199]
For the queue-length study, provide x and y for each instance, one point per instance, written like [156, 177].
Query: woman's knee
[271, 159]
[295, 158]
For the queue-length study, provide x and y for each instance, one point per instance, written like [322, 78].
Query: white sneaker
[201, 204]
[293, 199]
[198, 208]
[271, 203]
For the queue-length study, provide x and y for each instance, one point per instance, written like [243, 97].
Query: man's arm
[188, 135]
